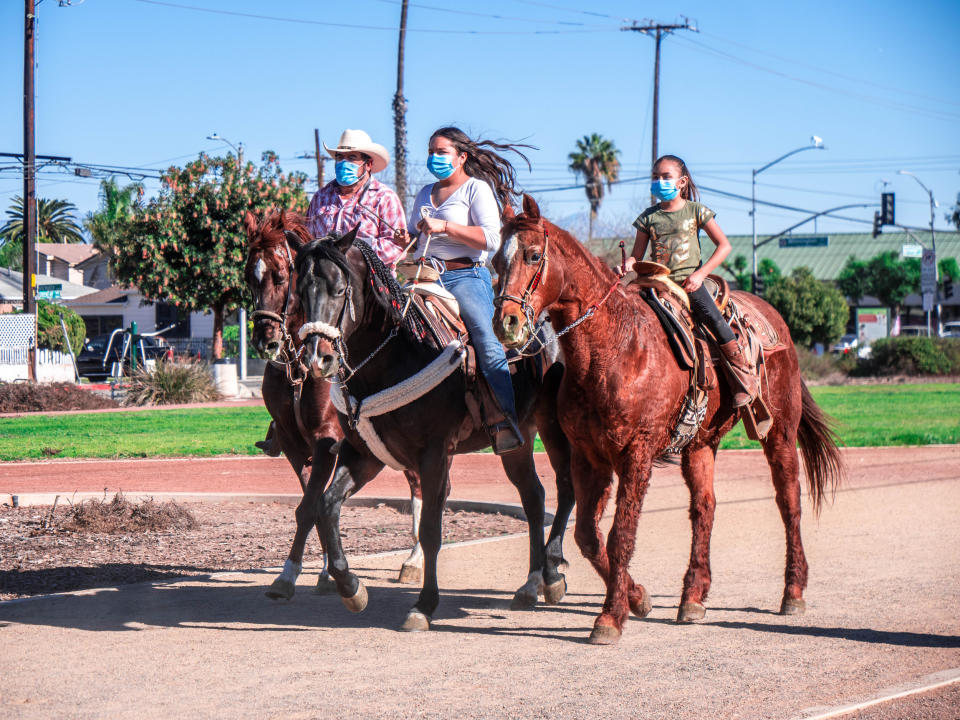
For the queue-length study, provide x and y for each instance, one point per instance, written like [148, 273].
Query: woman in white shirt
[460, 213]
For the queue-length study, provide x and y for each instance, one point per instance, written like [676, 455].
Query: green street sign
[793, 241]
[49, 292]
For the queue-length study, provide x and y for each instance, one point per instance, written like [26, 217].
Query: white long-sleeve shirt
[472, 204]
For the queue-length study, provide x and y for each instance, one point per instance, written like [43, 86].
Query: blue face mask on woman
[440, 166]
[664, 189]
[348, 173]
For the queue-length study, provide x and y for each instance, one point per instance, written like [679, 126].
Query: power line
[511, 18]
[354, 26]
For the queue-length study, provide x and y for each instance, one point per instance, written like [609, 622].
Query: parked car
[951, 329]
[91, 362]
[913, 331]
[845, 345]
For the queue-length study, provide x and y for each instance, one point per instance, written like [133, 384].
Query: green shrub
[231, 341]
[915, 356]
[816, 367]
[49, 332]
[170, 383]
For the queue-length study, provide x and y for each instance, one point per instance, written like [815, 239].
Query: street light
[242, 312]
[816, 143]
[933, 243]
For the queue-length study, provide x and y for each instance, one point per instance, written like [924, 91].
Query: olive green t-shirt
[675, 236]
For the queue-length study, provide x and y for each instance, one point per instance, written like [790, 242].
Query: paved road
[885, 568]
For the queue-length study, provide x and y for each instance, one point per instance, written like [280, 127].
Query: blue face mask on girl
[664, 189]
[440, 166]
[348, 173]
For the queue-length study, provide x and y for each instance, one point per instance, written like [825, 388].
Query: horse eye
[340, 291]
[533, 256]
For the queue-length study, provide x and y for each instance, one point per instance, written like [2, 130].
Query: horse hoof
[642, 608]
[410, 575]
[554, 593]
[523, 600]
[358, 602]
[325, 585]
[691, 612]
[793, 606]
[280, 589]
[416, 622]
[604, 635]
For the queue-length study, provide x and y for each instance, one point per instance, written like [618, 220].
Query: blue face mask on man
[664, 189]
[440, 166]
[348, 173]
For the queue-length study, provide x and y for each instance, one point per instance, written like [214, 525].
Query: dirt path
[885, 568]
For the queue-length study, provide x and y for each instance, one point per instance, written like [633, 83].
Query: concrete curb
[401, 504]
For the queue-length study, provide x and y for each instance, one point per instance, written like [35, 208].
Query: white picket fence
[52, 365]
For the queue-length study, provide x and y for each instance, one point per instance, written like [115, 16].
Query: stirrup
[505, 437]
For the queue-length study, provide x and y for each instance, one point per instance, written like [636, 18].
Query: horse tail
[818, 447]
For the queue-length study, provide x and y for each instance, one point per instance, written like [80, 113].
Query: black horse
[357, 332]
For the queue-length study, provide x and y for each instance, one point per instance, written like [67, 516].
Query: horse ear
[250, 223]
[530, 207]
[293, 238]
[344, 243]
[508, 212]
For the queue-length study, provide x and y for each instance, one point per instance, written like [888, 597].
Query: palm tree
[596, 158]
[117, 206]
[55, 222]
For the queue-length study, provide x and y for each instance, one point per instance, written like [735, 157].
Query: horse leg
[697, 466]
[622, 593]
[284, 586]
[522, 473]
[435, 480]
[352, 472]
[558, 450]
[412, 569]
[780, 447]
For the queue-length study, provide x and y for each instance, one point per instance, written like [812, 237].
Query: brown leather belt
[461, 263]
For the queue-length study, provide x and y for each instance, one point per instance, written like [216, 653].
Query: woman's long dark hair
[690, 192]
[484, 162]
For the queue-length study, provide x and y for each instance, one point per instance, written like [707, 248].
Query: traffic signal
[876, 224]
[886, 209]
[947, 287]
[758, 285]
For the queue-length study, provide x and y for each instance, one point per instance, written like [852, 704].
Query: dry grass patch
[119, 515]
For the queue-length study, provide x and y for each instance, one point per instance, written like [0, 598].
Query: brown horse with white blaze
[619, 400]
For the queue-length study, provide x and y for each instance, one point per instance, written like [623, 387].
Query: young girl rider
[672, 230]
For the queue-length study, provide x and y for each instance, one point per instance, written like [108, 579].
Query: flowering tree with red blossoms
[188, 245]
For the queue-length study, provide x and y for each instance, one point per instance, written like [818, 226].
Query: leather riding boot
[506, 436]
[269, 444]
[743, 380]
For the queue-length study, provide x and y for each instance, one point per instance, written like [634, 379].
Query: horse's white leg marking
[259, 270]
[532, 585]
[291, 571]
[416, 555]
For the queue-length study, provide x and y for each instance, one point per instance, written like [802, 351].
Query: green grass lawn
[867, 415]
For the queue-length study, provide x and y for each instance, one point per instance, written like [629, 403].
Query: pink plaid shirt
[330, 213]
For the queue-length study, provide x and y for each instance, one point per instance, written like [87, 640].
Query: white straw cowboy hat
[359, 141]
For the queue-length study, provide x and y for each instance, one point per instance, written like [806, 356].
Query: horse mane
[385, 288]
[524, 222]
[273, 226]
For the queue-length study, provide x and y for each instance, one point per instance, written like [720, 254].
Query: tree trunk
[216, 350]
[400, 117]
[593, 215]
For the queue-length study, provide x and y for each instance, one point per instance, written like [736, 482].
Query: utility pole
[658, 32]
[29, 162]
[29, 182]
[400, 117]
[320, 158]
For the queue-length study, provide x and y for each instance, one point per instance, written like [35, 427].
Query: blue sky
[142, 83]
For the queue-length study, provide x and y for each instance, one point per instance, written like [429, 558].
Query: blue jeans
[474, 291]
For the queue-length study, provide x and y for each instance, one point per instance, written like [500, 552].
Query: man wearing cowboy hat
[356, 198]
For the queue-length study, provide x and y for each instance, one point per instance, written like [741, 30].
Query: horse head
[527, 282]
[330, 289]
[272, 242]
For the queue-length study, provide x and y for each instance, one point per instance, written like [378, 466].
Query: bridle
[532, 285]
[290, 363]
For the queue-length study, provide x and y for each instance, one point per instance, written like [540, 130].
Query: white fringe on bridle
[393, 398]
[319, 328]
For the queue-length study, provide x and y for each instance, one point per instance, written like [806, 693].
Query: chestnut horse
[619, 399]
[307, 440]
[358, 333]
